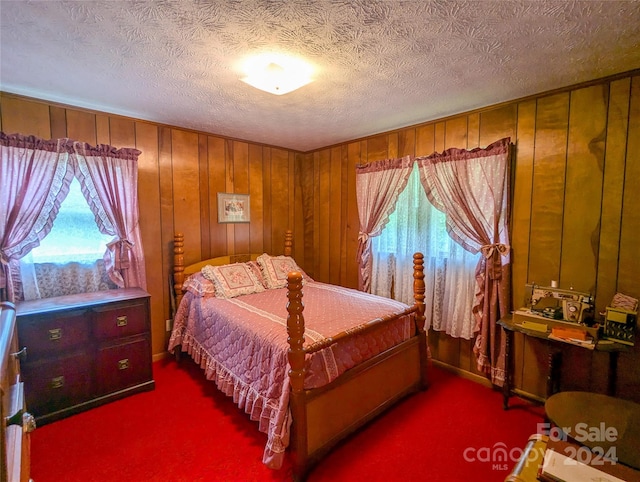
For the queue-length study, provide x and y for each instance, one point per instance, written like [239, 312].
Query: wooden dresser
[16, 422]
[84, 350]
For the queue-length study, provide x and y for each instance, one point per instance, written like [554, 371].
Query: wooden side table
[555, 348]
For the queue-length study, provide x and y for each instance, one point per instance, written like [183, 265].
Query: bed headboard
[180, 271]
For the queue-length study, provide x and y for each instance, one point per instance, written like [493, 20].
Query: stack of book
[575, 336]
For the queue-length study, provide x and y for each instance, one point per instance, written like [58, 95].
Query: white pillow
[276, 268]
[233, 280]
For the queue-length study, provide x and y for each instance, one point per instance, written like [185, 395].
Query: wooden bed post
[418, 296]
[178, 267]
[419, 288]
[288, 242]
[296, 355]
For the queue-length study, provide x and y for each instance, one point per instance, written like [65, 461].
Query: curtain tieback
[4, 265]
[121, 250]
[491, 254]
[488, 250]
[362, 241]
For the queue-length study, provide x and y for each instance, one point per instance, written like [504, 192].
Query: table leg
[613, 373]
[553, 379]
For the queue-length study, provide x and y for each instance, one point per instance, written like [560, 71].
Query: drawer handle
[121, 321]
[55, 334]
[57, 382]
[20, 355]
[24, 419]
[123, 364]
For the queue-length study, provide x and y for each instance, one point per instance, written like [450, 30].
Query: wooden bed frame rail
[364, 328]
[324, 416]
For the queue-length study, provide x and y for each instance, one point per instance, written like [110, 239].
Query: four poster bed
[310, 372]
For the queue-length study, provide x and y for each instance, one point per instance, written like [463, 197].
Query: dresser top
[81, 300]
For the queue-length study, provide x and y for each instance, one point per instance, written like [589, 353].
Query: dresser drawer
[45, 335]
[56, 384]
[122, 366]
[120, 320]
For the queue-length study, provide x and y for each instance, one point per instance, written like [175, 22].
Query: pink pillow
[233, 280]
[276, 268]
[199, 285]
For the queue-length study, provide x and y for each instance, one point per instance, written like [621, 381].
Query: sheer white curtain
[449, 270]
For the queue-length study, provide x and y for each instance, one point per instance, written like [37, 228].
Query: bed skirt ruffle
[273, 417]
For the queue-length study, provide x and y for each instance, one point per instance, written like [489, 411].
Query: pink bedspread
[241, 343]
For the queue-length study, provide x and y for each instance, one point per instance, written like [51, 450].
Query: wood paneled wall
[575, 210]
[180, 173]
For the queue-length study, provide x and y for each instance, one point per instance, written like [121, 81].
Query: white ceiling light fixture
[276, 73]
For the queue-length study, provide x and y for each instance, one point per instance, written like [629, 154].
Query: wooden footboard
[324, 416]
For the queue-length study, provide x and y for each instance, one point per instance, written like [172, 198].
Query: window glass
[75, 236]
[417, 226]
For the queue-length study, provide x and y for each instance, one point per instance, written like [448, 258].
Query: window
[69, 258]
[414, 226]
[74, 236]
[40, 172]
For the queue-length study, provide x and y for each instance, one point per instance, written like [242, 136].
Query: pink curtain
[472, 189]
[109, 180]
[378, 185]
[35, 175]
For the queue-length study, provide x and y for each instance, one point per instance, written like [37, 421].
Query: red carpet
[185, 430]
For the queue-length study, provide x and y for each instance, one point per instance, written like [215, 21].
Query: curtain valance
[33, 142]
[67, 145]
[106, 151]
[501, 146]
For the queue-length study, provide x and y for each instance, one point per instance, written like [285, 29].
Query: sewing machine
[560, 304]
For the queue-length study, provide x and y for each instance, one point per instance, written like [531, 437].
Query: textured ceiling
[380, 65]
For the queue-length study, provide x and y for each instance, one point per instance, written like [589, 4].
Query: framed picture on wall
[233, 208]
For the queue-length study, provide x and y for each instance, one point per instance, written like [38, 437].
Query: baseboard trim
[485, 382]
[528, 396]
[463, 373]
[160, 356]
